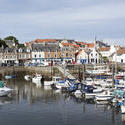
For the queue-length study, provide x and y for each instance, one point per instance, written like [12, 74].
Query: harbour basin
[31, 105]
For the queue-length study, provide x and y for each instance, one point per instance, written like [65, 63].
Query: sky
[70, 19]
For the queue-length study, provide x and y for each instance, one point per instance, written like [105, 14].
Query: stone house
[24, 55]
[10, 55]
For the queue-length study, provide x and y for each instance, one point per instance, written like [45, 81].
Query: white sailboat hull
[103, 97]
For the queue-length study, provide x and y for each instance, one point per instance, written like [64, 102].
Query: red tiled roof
[104, 49]
[90, 45]
[81, 43]
[77, 46]
[44, 40]
[70, 44]
[121, 51]
[27, 44]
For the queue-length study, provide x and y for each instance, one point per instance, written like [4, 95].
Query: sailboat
[104, 96]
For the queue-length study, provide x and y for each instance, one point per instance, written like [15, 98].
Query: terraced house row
[62, 50]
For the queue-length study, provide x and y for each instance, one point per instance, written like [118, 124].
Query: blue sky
[70, 19]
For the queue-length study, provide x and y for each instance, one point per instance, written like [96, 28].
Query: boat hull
[27, 77]
[10, 76]
[48, 83]
[103, 98]
[5, 91]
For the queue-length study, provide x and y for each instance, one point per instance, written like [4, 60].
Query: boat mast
[116, 62]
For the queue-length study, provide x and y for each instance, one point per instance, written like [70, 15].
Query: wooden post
[64, 70]
[83, 72]
[112, 75]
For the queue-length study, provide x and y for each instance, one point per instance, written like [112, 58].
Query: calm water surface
[42, 106]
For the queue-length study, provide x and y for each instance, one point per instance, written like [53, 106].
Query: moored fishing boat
[53, 81]
[62, 84]
[93, 93]
[37, 79]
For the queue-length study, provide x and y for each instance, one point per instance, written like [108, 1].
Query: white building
[119, 56]
[94, 56]
[104, 51]
[83, 56]
[38, 56]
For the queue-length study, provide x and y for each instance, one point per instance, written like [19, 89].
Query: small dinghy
[27, 77]
[10, 76]
[4, 91]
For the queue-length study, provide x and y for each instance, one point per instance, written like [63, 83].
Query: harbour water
[30, 105]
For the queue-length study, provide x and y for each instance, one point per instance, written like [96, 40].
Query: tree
[21, 46]
[2, 43]
[12, 38]
[105, 59]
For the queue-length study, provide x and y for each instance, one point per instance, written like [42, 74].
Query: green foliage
[105, 59]
[21, 46]
[12, 38]
[2, 43]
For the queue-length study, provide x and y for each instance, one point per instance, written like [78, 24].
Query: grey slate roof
[39, 47]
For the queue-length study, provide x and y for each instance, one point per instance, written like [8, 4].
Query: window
[66, 54]
[92, 60]
[27, 56]
[35, 55]
[48, 55]
[96, 60]
[91, 54]
[121, 60]
[40, 55]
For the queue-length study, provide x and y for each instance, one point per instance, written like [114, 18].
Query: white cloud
[70, 20]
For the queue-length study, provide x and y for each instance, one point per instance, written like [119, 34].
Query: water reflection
[30, 92]
[123, 117]
[58, 108]
[5, 100]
